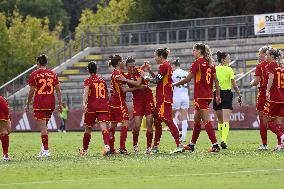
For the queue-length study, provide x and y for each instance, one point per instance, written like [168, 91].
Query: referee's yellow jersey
[224, 75]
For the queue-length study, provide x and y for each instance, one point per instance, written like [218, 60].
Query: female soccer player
[5, 127]
[274, 107]
[204, 73]
[261, 77]
[117, 106]
[95, 103]
[180, 98]
[42, 83]
[225, 76]
[164, 99]
[143, 103]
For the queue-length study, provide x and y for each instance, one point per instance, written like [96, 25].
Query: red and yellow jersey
[117, 98]
[277, 88]
[164, 90]
[44, 81]
[262, 73]
[139, 94]
[203, 78]
[98, 94]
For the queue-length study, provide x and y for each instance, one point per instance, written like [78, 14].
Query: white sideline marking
[142, 177]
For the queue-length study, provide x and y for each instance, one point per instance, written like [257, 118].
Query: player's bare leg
[149, 133]
[42, 124]
[5, 129]
[135, 132]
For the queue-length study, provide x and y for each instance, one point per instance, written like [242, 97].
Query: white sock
[184, 125]
[175, 122]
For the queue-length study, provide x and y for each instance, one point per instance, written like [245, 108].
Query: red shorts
[4, 109]
[163, 111]
[43, 114]
[143, 107]
[202, 104]
[91, 117]
[273, 109]
[118, 114]
[261, 98]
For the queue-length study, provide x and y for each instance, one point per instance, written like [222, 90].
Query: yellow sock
[220, 127]
[225, 131]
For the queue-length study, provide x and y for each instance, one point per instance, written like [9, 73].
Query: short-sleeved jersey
[277, 88]
[178, 75]
[98, 94]
[164, 89]
[203, 78]
[44, 81]
[261, 71]
[139, 94]
[225, 74]
[117, 96]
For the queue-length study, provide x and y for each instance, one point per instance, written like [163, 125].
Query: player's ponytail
[114, 60]
[205, 52]
[163, 52]
[221, 56]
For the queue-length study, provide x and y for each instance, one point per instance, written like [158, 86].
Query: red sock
[5, 143]
[111, 131]
[149, 136]
[275, 129]
[135, 136]
[86, 141]
[196, 132]
[210, 132]
[44, 141]
[105, 134]
[263, 131]
[123, 136]
[158, 132]
[174, 131]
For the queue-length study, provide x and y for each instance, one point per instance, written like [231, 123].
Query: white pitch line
[142, 177]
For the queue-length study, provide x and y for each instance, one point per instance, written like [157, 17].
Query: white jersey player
[180, 99]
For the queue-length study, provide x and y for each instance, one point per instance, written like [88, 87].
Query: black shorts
[226, 100]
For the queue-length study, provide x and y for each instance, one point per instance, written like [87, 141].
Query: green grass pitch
[241, 166]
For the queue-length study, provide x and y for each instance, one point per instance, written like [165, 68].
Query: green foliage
[242, 166]
[53, 9]
[23, 41]
[115, 13]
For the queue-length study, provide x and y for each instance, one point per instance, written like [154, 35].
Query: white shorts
[181, 103]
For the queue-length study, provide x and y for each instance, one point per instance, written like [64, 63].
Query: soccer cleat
[148, 151]
[263, 147]
[106, 151]
[215, 148]
[83, 152]
[155, 150]
[178, 150]
[6, 157]
[189, 147]
[113, 152]
[43, 154]
[279, 148]
[224, 145]
[135, 150]
[123, 151]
